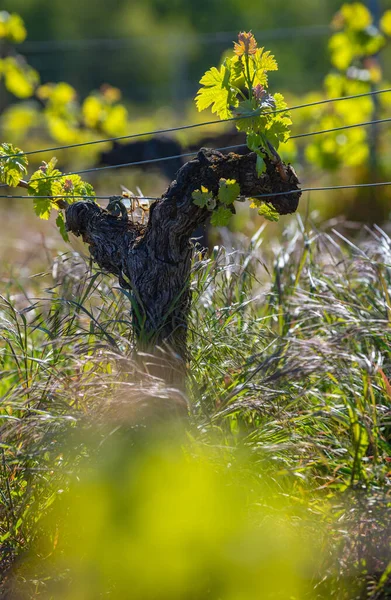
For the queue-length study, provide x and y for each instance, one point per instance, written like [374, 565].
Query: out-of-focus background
[156, 51]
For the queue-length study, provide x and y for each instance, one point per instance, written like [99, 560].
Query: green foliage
[260, 164]
[12, 167]
[49, 181]
[239, 89]
[202, 197]
[229, 190]
[385, 23]
[356, 70]
[60, 222]
[20, 79]
[287, 445]
[268, 211]
[221, 216]
[46, 181]
[66, 118]
[12, 28]
[216, 92]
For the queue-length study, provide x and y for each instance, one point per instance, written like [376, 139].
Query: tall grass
[290, 366]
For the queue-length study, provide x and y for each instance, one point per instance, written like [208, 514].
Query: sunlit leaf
[356, 16]
[268, 212]
[116, 121]
[220, 217]
[215, 92]
[342, 51]
[20, 79]
[12, 27]
[93, 111]
[45, 182]
[385, 23]
[12, 168]
[43, 207]
[229, 190]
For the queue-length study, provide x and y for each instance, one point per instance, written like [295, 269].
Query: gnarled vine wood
[154, 261]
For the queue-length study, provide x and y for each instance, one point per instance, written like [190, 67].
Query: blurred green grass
[289, 402]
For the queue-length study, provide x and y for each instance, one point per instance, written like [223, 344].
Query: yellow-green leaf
[385, 23]
[268, 212]
[20, 79]
[12, 168]
[215, 92]
[356, 16]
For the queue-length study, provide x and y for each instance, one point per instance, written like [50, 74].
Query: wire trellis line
[194, 153]
[63, 197]
[37, 47]
[327, 188]
[193, 125]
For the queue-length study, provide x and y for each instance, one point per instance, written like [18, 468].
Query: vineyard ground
[290, 361]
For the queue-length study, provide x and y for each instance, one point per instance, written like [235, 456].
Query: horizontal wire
[303, 135]
[63, 197]
[271, 195]
[36, 47]
[326, 188]
[188, 154]
[343, 127]
[194, 125]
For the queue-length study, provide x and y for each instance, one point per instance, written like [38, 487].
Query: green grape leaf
[260, 64]
[220, 217]
[43, 207]
[60, 222]
[247, 116]
[265, 60]
[74, 186]
[236, 67]
[216, 92]
[13, 168]
[201, 197]
[229, 190]
[280, 102]
[278, 130]
[269, 212]
[260, 165]
[254, 141]
[46, 182]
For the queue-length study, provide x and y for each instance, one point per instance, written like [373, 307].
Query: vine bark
[154, 261]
